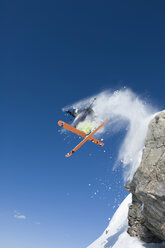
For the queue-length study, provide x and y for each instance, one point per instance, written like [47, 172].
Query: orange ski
[78, 132]
[84, 140]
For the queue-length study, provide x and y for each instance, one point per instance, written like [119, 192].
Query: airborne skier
[83, 125]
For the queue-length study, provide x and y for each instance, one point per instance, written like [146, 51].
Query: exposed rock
[147, 213]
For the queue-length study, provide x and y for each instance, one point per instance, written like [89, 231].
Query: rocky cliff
[146, 216]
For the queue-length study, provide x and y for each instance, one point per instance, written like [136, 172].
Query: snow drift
[116, 236]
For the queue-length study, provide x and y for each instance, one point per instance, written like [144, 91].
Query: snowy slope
[115, 236]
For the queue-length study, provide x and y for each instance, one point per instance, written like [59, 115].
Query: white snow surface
[116, 236]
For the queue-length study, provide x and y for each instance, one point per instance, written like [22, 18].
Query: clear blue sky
[53, 53]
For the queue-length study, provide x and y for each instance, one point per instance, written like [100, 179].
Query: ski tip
[60, 123]
[69, 154]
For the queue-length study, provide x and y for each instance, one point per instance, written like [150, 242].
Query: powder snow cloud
[125, 110]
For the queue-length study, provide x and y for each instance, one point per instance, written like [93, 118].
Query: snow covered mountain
[116, 236]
